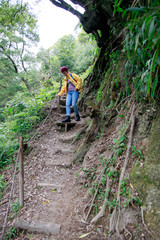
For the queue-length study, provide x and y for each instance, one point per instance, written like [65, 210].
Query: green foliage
[112, 173]
[50, 66]
[126, 193]
[103, 180]
[90, 174]
[83, 56]
[100, 91]
[112, 204]
[64, 49]
[138, 153]
[15, 207]
[20, 116]
[117, 8]
[3, 184]
[132, 199]
[87, 72]
[95, 209]
[118, 145]
[142, 46]
[18, 33]
[76, 54]
[11, 234]
[123, 189]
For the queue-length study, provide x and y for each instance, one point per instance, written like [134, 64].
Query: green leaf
[155, 40]
[116, 5]
[99, 33]
[84, 235]
[155, 56]
[54, 190]
[154, 85]
[136, 9]
[120, 9]
[137, 42]
[151, 29]
[97, 52]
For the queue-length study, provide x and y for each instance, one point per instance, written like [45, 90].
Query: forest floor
[49, 161]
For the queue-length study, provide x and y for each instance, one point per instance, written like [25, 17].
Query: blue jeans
[72, 98]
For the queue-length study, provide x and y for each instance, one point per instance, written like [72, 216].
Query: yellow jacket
[77, 83]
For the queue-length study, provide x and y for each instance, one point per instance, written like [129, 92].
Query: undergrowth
[20, 115]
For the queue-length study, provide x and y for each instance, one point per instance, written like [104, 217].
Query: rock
[147, 179]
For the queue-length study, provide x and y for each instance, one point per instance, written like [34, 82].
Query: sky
[53, 22]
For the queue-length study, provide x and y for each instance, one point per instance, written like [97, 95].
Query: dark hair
[64, 69]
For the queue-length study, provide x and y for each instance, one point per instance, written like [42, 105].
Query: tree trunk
[27, 85]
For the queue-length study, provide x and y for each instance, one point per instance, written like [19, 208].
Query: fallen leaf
[46, 202]
[131, 186]
[54, 190]
[84, 235]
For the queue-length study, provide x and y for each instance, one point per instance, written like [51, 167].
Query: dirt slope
[50, 162]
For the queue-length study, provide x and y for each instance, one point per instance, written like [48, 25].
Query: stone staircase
[64, 127]
[54, 161]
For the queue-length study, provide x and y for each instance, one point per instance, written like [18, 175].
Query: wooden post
[66, 127]
[58, 103]
[21, 174]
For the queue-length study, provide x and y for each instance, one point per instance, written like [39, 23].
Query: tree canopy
[129, 25]
[18, 32]
[95, 18]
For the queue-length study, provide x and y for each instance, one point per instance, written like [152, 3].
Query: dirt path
[50, 162]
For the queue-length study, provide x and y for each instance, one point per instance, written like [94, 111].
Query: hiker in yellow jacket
[72, 88]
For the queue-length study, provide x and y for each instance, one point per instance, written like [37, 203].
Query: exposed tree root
[95, 194]
[90, 135]
[142, 215]
[72, 139]
[116, 217]
[79, 132]
[101, 212]
[126, 98]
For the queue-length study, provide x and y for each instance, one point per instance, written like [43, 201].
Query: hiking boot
[67, 119]
[77, 117]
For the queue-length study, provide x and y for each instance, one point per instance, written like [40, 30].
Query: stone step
[63, 162]
[62, 109]
[61, 158]
[49, 185]
[65, 126]
[47, 228]
[62, 102]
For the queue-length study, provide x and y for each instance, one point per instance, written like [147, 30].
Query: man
[72, 88]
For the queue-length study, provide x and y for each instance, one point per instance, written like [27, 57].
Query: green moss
[140, 180]
[146, 179]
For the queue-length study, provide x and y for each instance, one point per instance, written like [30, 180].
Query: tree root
[72, 139]
[101, 212]
[95, 194]
[79, 132]
[126, 98]
[91, 132]
[142, 215]
[117, 215]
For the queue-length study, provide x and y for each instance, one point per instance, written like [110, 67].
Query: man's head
[64, 70]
